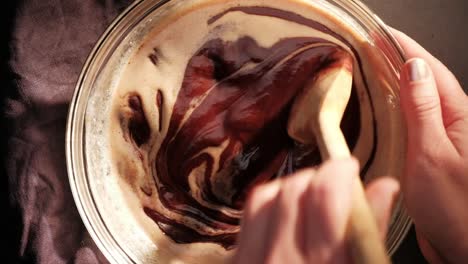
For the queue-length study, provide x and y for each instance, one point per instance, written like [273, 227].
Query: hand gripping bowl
[160, 156]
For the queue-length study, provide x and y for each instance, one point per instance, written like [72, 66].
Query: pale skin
[302, 218]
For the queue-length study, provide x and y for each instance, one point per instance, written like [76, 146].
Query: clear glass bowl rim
[75, 134]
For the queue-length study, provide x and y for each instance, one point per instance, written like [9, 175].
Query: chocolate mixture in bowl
[227, 130]
[200, 113]
[238, 95]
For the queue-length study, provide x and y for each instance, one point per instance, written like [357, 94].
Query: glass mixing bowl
[101, 199]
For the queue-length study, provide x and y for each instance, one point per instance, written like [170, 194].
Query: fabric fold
[50, 42]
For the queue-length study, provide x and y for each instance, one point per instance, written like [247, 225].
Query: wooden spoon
[318, 111]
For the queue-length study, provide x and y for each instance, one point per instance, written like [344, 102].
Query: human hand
[435, 185]
[302, 218]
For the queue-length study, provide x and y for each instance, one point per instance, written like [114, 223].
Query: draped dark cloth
[48, 42]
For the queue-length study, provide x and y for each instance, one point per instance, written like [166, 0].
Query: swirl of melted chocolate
[227, 130]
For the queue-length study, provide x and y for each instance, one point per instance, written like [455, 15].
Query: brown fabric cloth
[50, 42]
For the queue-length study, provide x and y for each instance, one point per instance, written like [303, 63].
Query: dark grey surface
[438, 25]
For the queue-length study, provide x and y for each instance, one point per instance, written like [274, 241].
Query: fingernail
[417, 70]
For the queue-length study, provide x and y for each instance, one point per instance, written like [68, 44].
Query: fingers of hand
[286, 236]
[302, 217]
[453, 98]
[272, 221]
[419, 96]
[328, 202]
[421, 106]
[381, 195]
[256, 223]
[442, 74]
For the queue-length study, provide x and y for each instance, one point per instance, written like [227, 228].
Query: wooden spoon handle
[318, 111]
[330, 140]
[363, 235]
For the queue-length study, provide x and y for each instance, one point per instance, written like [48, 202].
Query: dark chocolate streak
[244, 93]
[296, 18]
[133, 121]
[159, 104]
[182, 234]
[154, 56]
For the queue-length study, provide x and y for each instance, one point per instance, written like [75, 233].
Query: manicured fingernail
[417, 70]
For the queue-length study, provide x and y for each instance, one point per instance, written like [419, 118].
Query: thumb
[421, 103]
[381, 195]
